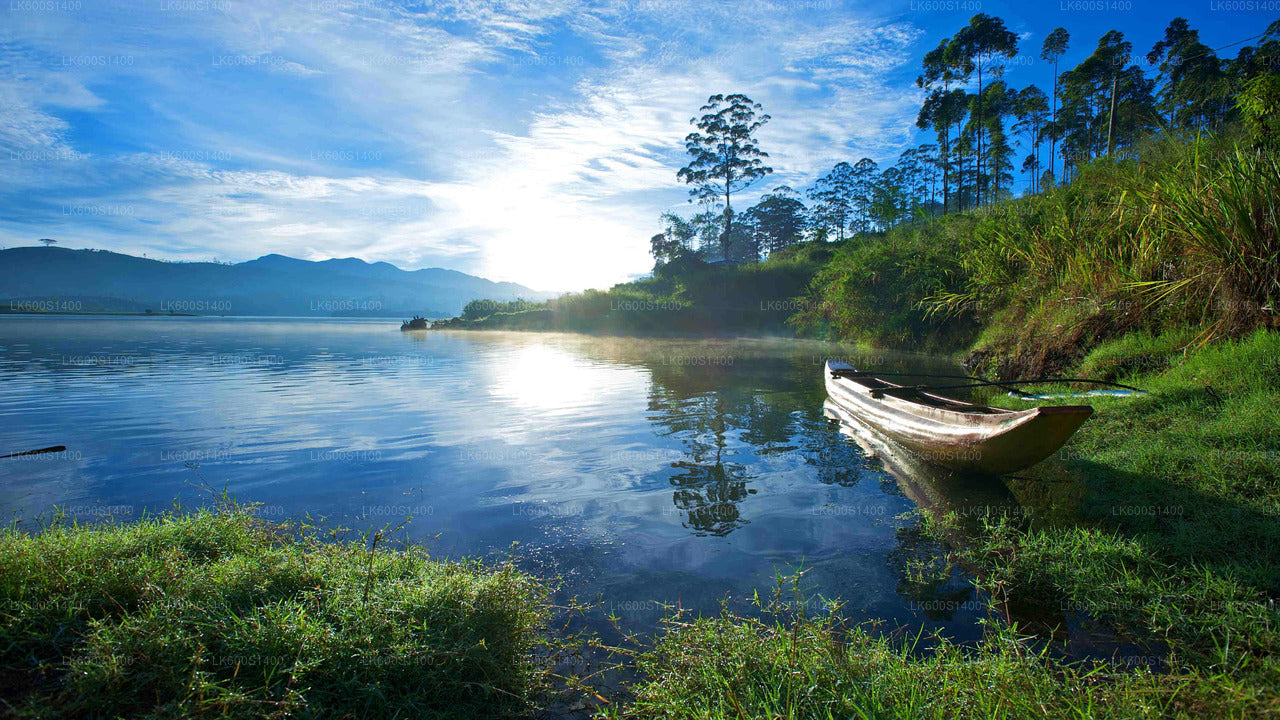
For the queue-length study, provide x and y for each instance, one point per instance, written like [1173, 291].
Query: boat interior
[915, 394]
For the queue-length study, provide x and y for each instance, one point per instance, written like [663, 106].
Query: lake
[643, 472]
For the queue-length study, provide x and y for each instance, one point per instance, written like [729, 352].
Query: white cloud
[528, 141]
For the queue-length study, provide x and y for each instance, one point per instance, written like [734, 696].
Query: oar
[54, 449]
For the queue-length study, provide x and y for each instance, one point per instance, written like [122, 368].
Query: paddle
[41, 451]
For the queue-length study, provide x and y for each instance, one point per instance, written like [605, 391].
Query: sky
[532, 141]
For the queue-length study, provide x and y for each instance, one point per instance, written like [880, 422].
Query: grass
[1171, 541]
[219, 614]
[818, 668]
[1180, 517]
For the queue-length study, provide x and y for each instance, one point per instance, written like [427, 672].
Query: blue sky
[533, 141]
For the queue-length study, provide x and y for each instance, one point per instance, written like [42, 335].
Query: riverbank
[219, 614]
[1169, 541]
[1163, 535]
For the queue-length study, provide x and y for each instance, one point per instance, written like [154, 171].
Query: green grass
[1180, 514]
[818, 668]
[1169, 535]
[219, 614]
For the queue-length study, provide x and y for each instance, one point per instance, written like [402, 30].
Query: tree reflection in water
[729, 427]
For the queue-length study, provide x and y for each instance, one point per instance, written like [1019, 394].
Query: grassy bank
[219, 614]
[1170, 542]
[1184, 235]
[741, 668]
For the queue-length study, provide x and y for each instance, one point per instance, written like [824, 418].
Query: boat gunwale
[993, 416]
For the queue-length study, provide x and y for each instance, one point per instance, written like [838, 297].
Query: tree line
[1104, 106]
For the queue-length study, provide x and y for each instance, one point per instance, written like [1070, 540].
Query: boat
[417, 323]
[951, 433]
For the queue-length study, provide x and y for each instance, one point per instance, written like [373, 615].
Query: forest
[1107, 106]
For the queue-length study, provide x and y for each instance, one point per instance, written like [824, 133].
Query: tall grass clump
[219, 614]
[1216, 214]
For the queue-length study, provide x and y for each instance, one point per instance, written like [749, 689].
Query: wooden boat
[952, 433]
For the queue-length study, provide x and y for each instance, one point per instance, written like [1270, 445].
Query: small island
[417, 323]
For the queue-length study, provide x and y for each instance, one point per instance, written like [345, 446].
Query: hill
[50, 279]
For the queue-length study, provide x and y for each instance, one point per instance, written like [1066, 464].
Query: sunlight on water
[647, 472]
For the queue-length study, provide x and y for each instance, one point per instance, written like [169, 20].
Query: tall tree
[943, 107]
[724, 155]
[1055, 44]
[930, 165]
[1262, 59]
[832, 196]
[984, 44]
[1106, 103]
[888, 198]
[1195, 92]
[48, 242]
[1031, 108]
[865, 175]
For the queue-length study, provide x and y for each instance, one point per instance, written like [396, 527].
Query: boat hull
[991, 442]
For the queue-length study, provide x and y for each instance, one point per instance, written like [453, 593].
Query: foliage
[724, 155]
[1259, 105]
[685, 297]
[874, 289]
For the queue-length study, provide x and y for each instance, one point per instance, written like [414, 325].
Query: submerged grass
[220, 614]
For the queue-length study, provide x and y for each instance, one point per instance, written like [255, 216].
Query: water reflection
[645, 472]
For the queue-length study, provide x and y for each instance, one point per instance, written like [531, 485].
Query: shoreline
[1192, 571]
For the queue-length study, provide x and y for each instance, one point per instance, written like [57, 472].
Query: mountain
[97, 280]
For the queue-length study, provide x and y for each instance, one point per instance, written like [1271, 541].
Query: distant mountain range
[51, 279]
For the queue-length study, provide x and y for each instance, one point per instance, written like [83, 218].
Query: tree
[832, 195]
[725, 158]
[708, 228]
[1031, 108]
[888, 198]
[864, 178]
[1261, 60]
[48, 242]
[1055, 44]
[1195, 91]
[1106, 103]
[982, 44]
[777, 221]
[999, 102]
[943, 107]
[931, 167]
[675, 240]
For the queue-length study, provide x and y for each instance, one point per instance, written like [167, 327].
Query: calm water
[643, 471]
